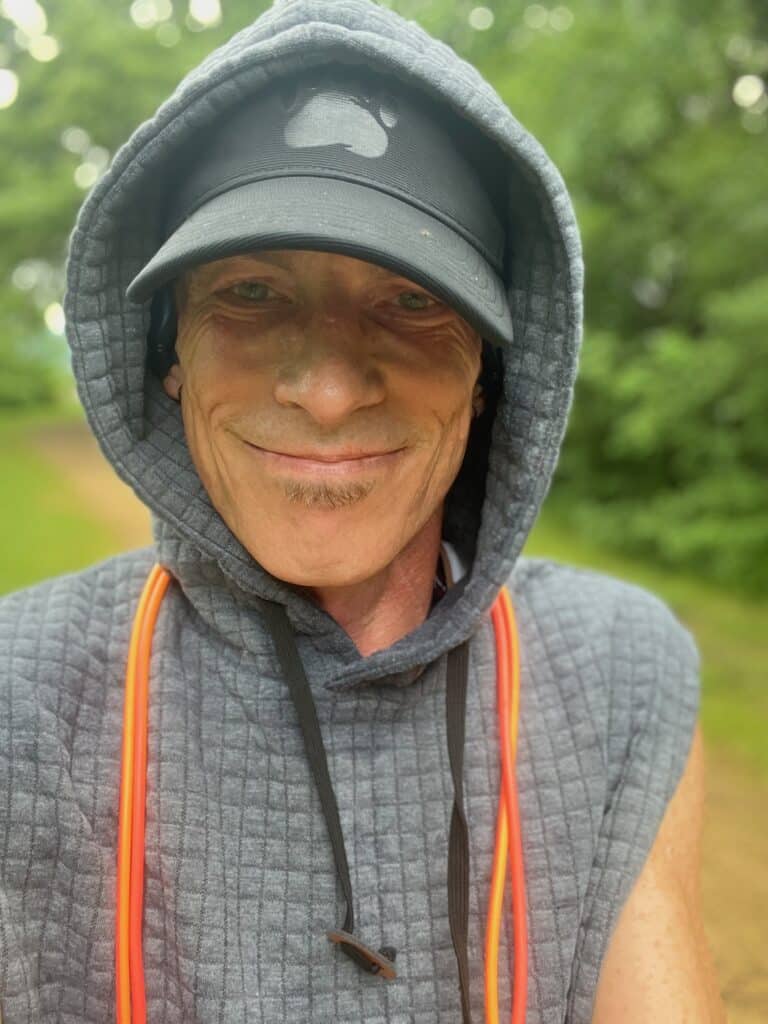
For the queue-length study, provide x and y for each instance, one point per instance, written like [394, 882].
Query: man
[325, 310]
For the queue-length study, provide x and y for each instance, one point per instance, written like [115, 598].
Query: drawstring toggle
[381, 963]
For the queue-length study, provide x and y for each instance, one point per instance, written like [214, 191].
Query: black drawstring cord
[457, 673]
[382, 962]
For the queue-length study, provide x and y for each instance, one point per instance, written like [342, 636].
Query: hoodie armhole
[654, 709]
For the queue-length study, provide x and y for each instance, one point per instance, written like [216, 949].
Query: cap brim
[329, 214]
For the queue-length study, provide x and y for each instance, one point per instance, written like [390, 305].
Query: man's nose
[329, 373]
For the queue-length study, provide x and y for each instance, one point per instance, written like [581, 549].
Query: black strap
[290, 660]
[458, 842]
[382, 962]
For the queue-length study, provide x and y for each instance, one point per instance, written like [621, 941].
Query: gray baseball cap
[346, 162]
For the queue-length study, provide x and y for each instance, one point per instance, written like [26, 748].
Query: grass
[44, 529]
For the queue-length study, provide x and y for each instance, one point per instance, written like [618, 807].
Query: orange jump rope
[129, 963]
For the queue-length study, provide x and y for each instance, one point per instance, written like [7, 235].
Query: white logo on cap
[333, 118]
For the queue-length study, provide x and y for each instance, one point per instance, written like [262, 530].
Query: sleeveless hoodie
[240, 881]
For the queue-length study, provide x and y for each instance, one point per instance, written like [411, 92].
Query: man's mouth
[327, 463]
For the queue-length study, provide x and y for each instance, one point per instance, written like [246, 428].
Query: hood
[488, 513]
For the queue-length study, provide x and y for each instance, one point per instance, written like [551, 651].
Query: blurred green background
[655, 112]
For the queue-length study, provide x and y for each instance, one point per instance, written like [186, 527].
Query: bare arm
[658, 966]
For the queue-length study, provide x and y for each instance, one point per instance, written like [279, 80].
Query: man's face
[326, 404]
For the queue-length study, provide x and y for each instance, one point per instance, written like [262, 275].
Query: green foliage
[667, 455]
[667, 452]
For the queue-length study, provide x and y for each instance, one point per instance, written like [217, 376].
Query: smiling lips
[326, 464]
[347, 456]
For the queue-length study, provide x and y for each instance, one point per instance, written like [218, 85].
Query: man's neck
[381, 610]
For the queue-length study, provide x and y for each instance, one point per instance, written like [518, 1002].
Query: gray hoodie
[240, 881]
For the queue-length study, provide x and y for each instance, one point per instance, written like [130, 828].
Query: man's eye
[415, 301]
[256, 291]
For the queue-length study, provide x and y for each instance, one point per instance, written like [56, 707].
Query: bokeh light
[27, 15]
[561, 18]
[86, 174]
[9, 87]
[99, 157]
[44, 48]
[54, 318]
[75, 139]
[481, 18]
[25, 276]
[536, 16]
[148, 13]
[748, 90]
[205, 13]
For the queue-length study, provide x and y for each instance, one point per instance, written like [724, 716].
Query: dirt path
[73, 449]
[735, 885]
[735, 846]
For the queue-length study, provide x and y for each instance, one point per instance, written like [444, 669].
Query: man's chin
[316, 570]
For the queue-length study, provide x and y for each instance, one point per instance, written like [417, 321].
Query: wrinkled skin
[294, 365]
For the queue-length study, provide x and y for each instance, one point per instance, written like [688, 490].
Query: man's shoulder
[611, 629]
[63, 650]
[624, 641]
[35, 616]
[587, 593]
[109, 571]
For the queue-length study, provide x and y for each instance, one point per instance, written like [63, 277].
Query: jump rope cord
[129, 960]
[129, 965]
[508, 834]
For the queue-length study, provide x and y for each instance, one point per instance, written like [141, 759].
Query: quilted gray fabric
[240, 879]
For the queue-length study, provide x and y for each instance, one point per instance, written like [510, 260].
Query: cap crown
[364, 129]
